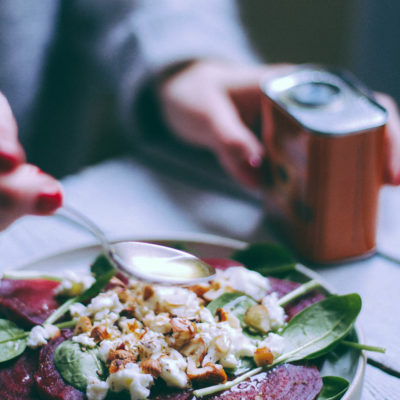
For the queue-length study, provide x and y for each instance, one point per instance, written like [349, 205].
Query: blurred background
[359, 35]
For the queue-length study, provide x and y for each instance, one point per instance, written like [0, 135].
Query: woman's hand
[24, 188]
[213, 105]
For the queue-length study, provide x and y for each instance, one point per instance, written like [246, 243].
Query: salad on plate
[245, 335]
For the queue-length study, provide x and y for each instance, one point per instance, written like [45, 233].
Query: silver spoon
[145, 261]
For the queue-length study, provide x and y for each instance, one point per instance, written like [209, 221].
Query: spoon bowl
[147, 262]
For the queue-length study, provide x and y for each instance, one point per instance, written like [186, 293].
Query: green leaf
[12, 340]
[334, 387]
[266, 258]
[101, 266]
[244, 364]
[76, 366]
[103, 271]
[237, 303]
[318, 328]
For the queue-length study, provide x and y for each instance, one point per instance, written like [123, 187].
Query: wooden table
[129, 198]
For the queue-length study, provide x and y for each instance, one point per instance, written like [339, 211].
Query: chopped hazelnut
[152, 367]
[148, 291]
[263, 356]
[210, 374]
[257, 317]
[84, 325]
[99, 333]
[183, 331]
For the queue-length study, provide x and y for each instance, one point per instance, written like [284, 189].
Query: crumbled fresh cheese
[177, 301]
[274, 342]
[73, 284]
[132, 379]
[276, 312]
[103, 304]
[106, 346]
[84, 340]
[39, 335]
[173, 370]
[225, 344]
[96, 389]
[243, 280]
[77, 310]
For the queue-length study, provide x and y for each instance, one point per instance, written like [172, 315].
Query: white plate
[350, 364]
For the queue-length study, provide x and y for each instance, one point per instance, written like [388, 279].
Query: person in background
[57, 58]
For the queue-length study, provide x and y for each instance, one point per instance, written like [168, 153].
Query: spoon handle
[75, 216]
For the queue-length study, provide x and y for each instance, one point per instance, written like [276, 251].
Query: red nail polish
[7, 162]
[48, 202]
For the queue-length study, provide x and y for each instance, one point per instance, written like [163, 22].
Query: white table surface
[126, 197]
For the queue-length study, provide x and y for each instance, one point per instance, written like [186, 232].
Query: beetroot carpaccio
[156, 342]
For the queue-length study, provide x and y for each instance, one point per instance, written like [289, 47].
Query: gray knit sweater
[71, 68]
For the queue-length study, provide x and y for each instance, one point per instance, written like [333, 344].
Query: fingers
[11, 152]
[237, 148]
[27, 190]
[392, 145]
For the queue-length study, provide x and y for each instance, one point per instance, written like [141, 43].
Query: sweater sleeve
[134, 41]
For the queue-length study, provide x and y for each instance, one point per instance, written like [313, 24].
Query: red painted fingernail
[48, 202]
[7, 162]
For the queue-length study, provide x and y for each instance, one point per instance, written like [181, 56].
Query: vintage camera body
[324, 144]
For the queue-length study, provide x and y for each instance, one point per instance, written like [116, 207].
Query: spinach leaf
[12, 340]
[103, 271]
[266, 258]
[334, 387]
[235, 302]
[101, 266]
[318, 328]
[244, 364]
[77, 366]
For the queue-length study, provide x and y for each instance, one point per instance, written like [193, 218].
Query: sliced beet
[49, 383]
[17, 377]
[222, 263]
[27, 302]
[282, 287]
[284, 382]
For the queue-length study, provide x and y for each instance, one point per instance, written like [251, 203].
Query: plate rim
[355, 386]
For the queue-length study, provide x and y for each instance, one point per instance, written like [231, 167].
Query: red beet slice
[49, 383]
[27, 302]
[222, 263]
[16, 377]
[284, 382]
[282, 287]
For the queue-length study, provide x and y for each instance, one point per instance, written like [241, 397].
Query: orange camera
[324, 138]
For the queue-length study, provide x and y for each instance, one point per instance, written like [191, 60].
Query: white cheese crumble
[73, 284]
[96, 389]
[243, 280]
[132, 379]
[274, 343]
[173, 370]
[84, 340]
[39, 335]
[276, 312]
